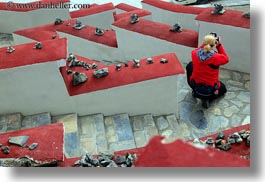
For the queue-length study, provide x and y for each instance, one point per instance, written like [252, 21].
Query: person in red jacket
[203, 71]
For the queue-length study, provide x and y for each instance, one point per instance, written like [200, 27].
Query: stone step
[144, 129]
[10, 122]
[71, 135]
[32, 121]
[169, 127]
[119, 132]
[92, 134]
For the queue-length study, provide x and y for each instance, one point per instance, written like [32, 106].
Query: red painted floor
[49, 137]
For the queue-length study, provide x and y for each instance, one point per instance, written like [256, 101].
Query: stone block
[69, 120]
[71, 144]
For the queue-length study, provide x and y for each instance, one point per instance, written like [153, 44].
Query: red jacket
[206, 70]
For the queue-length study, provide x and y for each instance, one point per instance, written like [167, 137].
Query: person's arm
[221, 56]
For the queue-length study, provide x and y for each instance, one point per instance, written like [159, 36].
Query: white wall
[18, 39]
[236, 41]
[40, 88]
[11, 21]
[92, 50]
[187, 21]
[33, 89]
[102, 20]
[136, 45]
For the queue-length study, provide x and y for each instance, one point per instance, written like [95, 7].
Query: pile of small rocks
[225, 144]
[106, 160]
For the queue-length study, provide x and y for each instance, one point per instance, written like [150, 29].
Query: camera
[215, 35]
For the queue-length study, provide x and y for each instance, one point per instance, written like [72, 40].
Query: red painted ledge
[174, 7]
[127, 75]
[46, 32]
[25, 54]
[126, 7]
[161, 31]
[94, 9]
[50, 139]
[139, 12]
[230, 17]
[183, 154]
[5, 6]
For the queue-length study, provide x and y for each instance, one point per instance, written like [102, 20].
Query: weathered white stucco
[236, 41]
[136, 45]
[92, 50]
[18, 39]
[101, 20]
[186, 21]
[40, 88]
[11, 21]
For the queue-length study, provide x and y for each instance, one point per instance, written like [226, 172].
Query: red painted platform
[187, 38]
[94, 9]
[126, 7]
[127, 75]
[49, 137]
[174, 7]
[52, 50]
[39, 33]
[6, 6]
[182, 154]
[88, 33]
[139, 12]
[46, 32]
[230, 18]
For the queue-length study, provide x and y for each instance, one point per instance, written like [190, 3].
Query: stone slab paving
[10, 122]
[119, 132]
[92, 134]
[229, 111]
[36, 120]
[71, 134]
[144, 128]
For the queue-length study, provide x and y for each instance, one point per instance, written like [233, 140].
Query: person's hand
[218, 41]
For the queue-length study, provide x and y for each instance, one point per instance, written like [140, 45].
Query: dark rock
[224, 147]
[101, 73]
[231, 139]
[248, 141]
[105, 163]
[54, 36]
[71, 57]
[106, 155]
[136, 63]
[18, 140]
[69, 72]
[244, 134]
[38, 45]
[126, 64]
[134, 18]
[73, 62]
[218, 142]
[163, 60]
[118, 67]
[94, 66]
[94, 162]
[218, 9]
[112, 164]
[99, 31]
[149, 61]
[210, 142]
[1, 145]
[246, 15]
[89, 157]
[176, 28]
[5, 149]
[58, 21]
[78, 25]
[237, 137]
[10, 49]
[79, 78]
[220, 136]
[33, 146]
[120, 159]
